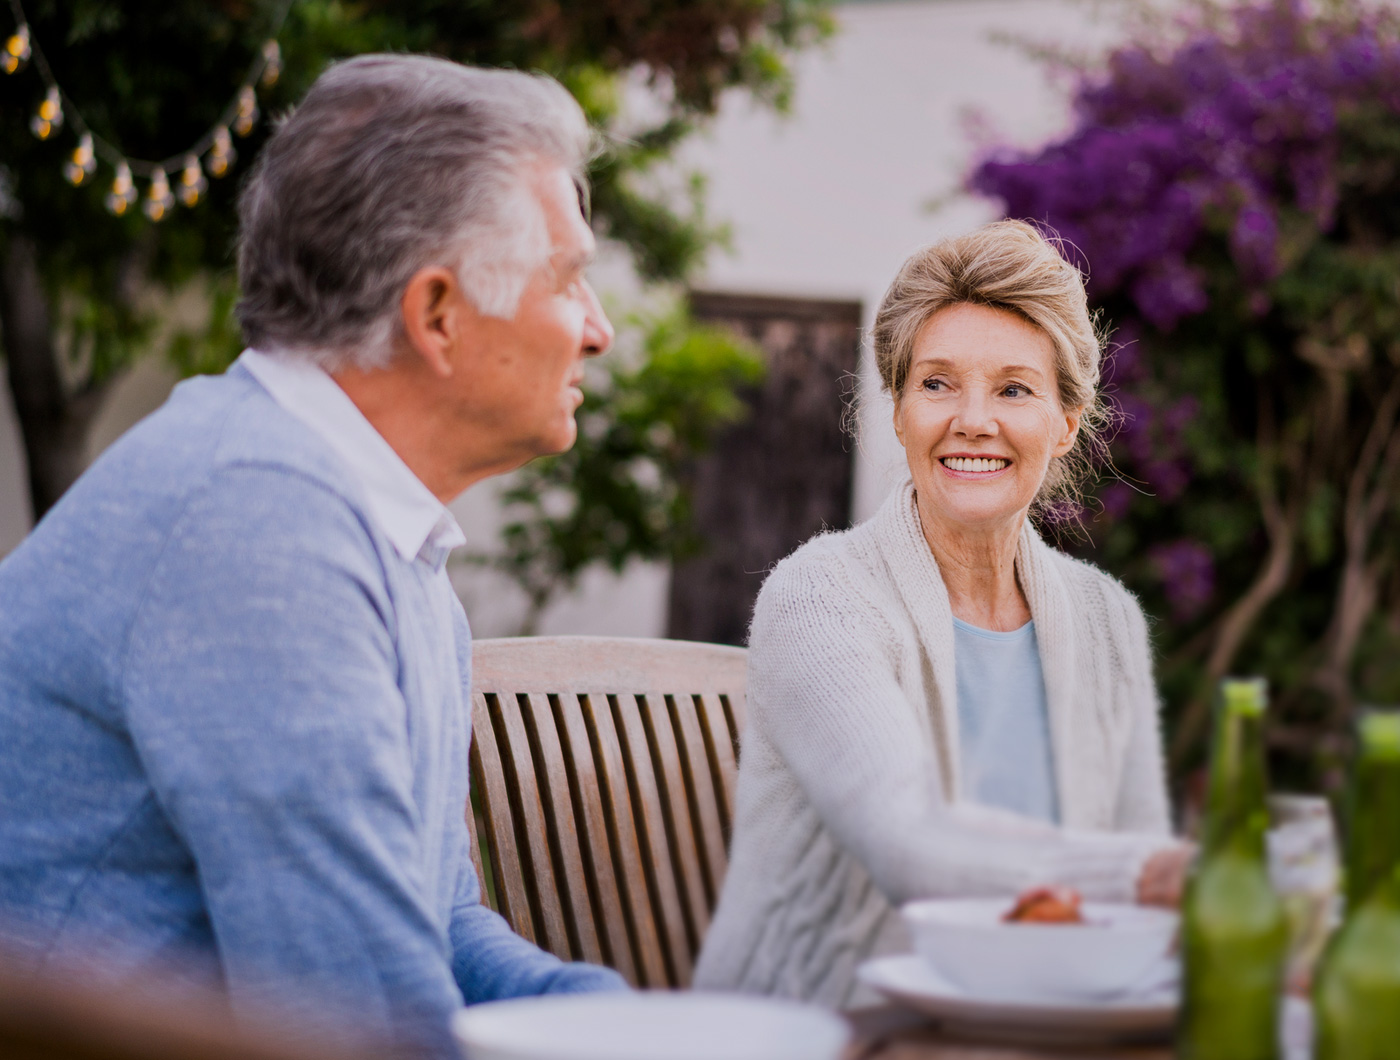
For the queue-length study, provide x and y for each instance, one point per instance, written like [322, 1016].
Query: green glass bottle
[1356, 994]
[1234, 933]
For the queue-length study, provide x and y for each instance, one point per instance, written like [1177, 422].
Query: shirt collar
[416, 522]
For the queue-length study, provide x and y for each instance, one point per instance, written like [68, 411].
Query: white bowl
[656, 1025]
[1117, 949]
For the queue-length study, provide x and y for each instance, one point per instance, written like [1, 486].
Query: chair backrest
[604, 771]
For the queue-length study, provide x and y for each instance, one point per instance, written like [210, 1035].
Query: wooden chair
[603, 769]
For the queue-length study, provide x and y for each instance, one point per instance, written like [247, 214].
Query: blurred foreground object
[1234, 935]
[76, 1015]
[1356, 1000]
[1232, 187]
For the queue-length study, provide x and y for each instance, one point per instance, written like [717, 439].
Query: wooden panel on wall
[783, 474]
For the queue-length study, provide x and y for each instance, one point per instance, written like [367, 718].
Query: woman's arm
[824, 690]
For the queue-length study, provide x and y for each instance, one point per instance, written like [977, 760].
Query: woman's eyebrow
[1021, 369]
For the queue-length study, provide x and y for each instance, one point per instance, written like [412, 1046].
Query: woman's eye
[934, 384]
[1015, 390]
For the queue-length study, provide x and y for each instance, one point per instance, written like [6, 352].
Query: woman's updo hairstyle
[1005, 265]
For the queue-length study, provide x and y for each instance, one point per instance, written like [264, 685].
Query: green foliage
[154, 78]
[617, 494]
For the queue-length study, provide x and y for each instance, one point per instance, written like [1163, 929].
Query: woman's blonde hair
[1012, 266]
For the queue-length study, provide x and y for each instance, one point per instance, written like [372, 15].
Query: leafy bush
[618, 494]
[1232, 187]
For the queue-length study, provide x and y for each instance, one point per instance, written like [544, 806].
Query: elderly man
[233, 673]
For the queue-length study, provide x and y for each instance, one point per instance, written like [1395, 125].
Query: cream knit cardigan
[848, 794]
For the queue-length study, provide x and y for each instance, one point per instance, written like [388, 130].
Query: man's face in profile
[525, 383]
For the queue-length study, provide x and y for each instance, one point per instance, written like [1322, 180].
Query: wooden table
[890, 1032]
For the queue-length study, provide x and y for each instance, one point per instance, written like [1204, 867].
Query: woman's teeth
[964, 463]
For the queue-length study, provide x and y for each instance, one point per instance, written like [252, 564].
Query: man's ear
[432, 311]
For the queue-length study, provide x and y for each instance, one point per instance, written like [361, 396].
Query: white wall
[823, 202]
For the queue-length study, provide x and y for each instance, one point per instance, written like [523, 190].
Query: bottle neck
[1237, 815]
[1373, 849]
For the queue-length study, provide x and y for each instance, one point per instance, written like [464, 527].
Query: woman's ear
[1066, 442]
[898, 417]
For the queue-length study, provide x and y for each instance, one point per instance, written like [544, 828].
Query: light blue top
[1003, 721]
[234, 725]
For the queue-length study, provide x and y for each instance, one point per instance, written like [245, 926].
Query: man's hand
[1163, 877]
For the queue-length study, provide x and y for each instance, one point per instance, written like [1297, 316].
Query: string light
[272, 63]
[81, 164]
[192, 182]
[49, 117]
[222, 154]
[16, 52]
[180, 176]
[247, 111]
[123, 192]
[159, 201]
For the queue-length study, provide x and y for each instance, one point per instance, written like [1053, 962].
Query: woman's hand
[1163, 877]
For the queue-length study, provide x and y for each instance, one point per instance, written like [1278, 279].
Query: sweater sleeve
[1143, 805]
[491, 962]
[824, 690]
[260, 689]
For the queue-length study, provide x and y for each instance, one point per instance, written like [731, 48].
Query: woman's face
[980, 416]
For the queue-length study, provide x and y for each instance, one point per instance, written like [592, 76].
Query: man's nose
[597, 328]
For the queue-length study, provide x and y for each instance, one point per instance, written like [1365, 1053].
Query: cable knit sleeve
[1143, 805]
[825, 691]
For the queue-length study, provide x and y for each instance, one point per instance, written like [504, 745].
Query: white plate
[649, 1025]
[910, 980]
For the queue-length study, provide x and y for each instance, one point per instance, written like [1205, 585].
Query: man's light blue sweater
[234, 729]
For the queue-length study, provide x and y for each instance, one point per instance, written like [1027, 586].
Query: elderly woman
[940, 704]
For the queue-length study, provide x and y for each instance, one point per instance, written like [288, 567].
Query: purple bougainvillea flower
[1187, 572]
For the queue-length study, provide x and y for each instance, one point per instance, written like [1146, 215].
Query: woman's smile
[965, 465]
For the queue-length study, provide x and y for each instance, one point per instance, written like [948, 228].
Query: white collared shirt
[416, 522]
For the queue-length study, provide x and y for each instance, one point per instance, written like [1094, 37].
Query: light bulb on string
[81, 164]
[48, 119]
[247, 111]
[158, 198]
[192, 182]
[272, 63]
[16, 52]
[222, 154]
[123, 192]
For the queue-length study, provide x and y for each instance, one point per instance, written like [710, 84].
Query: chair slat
[531, 834]
[628, 858]
[651, 830]
[596, 846]
[500, 821]
[719, 748]
[477, 865]
[680, 818]
[700, 786]
[553, 774]
[736, 710]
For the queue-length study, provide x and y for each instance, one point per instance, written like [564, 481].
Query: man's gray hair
[390, 164]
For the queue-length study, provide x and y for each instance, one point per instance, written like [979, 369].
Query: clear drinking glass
[1304, 868]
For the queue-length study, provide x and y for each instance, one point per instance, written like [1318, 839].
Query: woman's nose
[973, 417]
